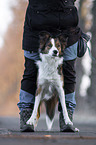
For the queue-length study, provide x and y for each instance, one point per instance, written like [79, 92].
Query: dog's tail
[50, 111]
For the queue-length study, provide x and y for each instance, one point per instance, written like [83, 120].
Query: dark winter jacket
[55, 16]
[47, 4]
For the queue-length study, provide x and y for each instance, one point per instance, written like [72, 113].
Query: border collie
[50, 79]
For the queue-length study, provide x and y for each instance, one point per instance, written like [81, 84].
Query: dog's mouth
[55, 55]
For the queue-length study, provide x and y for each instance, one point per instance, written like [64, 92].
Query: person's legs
[69, 84]
[27, 94]
[69, 72]
[28, 85]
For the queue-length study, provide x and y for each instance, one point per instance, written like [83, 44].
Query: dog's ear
[63, 40]
[43, 39]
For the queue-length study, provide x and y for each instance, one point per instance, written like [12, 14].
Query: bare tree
[92, 89]
[11, 62]
[87, 12]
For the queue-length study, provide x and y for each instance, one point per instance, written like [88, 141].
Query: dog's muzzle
[55, 53]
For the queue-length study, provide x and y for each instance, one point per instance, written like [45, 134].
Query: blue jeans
[28, 83]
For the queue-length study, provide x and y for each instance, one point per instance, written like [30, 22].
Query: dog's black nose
[55, 52]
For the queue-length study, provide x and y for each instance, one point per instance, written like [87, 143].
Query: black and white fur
[49, 82]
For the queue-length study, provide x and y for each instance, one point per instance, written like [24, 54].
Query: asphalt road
[10, 134]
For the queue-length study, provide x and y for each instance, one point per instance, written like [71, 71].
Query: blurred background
[12, 14]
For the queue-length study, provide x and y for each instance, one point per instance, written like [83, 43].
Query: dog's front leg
[32, 120]
[63, 104]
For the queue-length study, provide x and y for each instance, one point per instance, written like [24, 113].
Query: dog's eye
[49, 45]
[58, 45]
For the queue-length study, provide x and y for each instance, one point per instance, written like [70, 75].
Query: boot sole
[69, 128]
[27, 128]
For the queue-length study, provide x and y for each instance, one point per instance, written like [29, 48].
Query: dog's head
[52, 46]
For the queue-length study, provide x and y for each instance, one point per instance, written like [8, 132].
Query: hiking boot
[66, 127]
[24, 116]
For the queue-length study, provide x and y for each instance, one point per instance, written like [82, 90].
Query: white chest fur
[48, 76]
[48, 68]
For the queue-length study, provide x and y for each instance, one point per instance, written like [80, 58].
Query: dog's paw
[77, 130]
[32, 122]
[29, 122]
